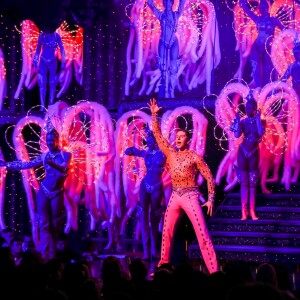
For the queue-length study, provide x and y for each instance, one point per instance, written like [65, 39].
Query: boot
[162, 66]
[43, 90]
[253, 178]
[42, 98]
[252, 203]
[108, 225]
[174, 67]
[171, 86]
[154, 223]
[117, 236]
[52, 92]
[243, 177]
[45, 242]
[245, 214]
[145, 230]
[244, 201]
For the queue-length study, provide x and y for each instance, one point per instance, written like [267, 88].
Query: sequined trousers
[188, 202]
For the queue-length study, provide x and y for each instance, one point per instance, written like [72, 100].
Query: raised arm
[248, 11]
[37, 51]
[236, 127]
[279, 24]
[181, 6]
[154, 9]
[62, 50]
[163, 144]
[260, 124]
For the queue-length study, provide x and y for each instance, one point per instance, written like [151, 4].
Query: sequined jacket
[184, 165]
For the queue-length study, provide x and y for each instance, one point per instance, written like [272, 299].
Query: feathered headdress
[250, 98]
[296, 41]
[50, 127]
[147, 130]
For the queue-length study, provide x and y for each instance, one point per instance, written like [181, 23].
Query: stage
[110, 71]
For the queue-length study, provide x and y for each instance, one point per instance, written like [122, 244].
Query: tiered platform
[274, 238]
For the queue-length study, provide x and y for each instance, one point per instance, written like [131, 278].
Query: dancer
[293, 70]
[199, 47]
[168, 47]
[151, 193]
[46, 62]
[185, 165]
[252, 128]
[262, 66]
[50, 197]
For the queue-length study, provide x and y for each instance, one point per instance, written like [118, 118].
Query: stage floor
[93, 250]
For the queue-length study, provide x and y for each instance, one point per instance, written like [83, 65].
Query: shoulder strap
[62, 155]
[44, 157]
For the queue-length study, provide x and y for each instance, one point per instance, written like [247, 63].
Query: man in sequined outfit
[185, 166]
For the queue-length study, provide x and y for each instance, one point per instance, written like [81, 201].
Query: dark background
[106, 32]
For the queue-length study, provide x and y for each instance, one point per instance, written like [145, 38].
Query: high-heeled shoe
[245, 214]
[253, 215]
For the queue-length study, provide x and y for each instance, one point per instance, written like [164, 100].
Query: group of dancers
[184, 167]
[156, 198]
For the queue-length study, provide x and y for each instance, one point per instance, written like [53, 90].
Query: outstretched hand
[210, 206]
[129, 151]
[153, 106]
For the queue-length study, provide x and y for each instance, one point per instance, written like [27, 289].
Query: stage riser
[283, 202]
[274, 238]
[289, 260]
[254, 226]
[266, 215]
[288, 242]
